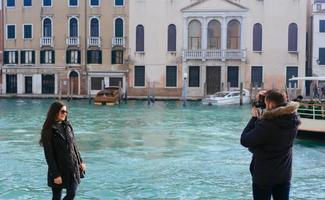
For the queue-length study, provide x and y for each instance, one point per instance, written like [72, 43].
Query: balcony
[118, 41]
[94, 42]
[46, 42]
[215, 54]
[73, 41]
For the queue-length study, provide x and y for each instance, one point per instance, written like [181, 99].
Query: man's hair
[277, 97]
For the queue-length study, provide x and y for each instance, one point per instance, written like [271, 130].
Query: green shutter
[113, 57]
[42, 57]
[6, 57]
[33, 57]
[53, 57]
[16, 61]
[100, 57]
[68, 57]
[22, 57]
[88, 56]
[79, 57]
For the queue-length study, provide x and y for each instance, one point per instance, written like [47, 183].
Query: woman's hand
[83, 167]
[58, 180]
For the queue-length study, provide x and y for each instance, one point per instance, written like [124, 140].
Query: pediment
[214, 5]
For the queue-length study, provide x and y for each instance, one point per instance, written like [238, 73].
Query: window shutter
[113, 57]
[100, 57]
[53, 57]
[88, 56]
[22, 57]
[194, 76]
[233, 76]
[79, 57]
[16, 61]
[33, 57]
[5, 57]
[42, 57]
[68, 57]
[171, 76]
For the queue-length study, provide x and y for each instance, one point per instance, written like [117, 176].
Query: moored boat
[108, 96]
[226, 98]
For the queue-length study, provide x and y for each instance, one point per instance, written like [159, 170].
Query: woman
[65, 166]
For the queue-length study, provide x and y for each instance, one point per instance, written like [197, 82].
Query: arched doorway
[73, 83]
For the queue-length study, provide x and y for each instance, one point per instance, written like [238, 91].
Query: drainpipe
[86, 64]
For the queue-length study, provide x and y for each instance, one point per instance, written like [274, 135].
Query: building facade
[215, 44]
[1, 45]
[69, 47]
[318, 40]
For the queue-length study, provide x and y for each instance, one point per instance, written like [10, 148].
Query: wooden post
[205, 89]
[262, 85]
[60, 89]
[222, 86]
[148, 92]
[228, 86]
[251, 92]
[241, 94]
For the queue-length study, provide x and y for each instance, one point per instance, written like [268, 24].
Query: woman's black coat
[62, 160]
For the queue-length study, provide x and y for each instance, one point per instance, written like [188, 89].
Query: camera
[260, 101]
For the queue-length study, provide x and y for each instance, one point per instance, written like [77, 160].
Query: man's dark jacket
[270, 139]
[62, 156]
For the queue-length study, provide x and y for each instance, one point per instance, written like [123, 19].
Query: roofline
[202, 1]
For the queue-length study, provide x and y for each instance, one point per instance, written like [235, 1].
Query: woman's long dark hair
[50, 119]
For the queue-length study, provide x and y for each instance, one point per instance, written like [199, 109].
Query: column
[37, 83]
[223, 37]
[242, 38]
[56, 83]
[4, 81]
[185, 80]
[204, 36]
[185, 32]
[20, 84]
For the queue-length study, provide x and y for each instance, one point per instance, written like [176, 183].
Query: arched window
[171, 37]
[233, 35]
[257, 37]
[140, 38]
[47, 27]
[119, 27]
[73, 25]
[194, 35]
[293, 37]
[94, 27]
[214, 35]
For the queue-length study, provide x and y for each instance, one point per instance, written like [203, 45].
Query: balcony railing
[94, 41]
[217, 54]
[73, 41]
[118, 41]
[46, 41]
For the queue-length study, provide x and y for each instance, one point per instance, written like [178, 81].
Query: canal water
[136, 151]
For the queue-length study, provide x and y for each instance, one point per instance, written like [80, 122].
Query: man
[270, 138]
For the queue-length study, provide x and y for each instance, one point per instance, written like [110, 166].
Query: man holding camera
[269, 136]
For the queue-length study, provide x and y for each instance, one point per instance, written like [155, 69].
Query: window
[233, 35]
[11, 3]
[47, 27]
[292, 71]
[257, 76]
[171, 76]
[73, 57]
[321, 56]
[232, 76]
[94, 27]
[194, 76]
[257, 37]
[119, 27]
[27, 3]
[27, 57]
[10, 57]
[73, 27]
[73, 3]
[293, 37]
[28, 31]
[117, 57]
[194, 35]
[97, 83]
[322, 26]
[171, 37]
[47, 3]
[11, 83]
[140, 38]
[11, 31]
[119, 2]
[94, 2]
[47, 57]
[28, 84]
[214, 35]
[115, 81]
[94, 57]
[139, 76]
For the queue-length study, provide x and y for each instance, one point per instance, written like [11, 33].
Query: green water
[136, 151]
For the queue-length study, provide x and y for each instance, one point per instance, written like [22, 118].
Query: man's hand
[83, 167]
[256, 112]
[58, 180]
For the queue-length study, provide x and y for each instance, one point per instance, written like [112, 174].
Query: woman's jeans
[71, 192]
[279, 192]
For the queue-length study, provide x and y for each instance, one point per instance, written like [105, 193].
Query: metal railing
[46, 41]
[312, 111]
[118, 41]
[73, 41]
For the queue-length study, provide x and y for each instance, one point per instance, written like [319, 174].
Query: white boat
[312, 114]
[226, 98]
